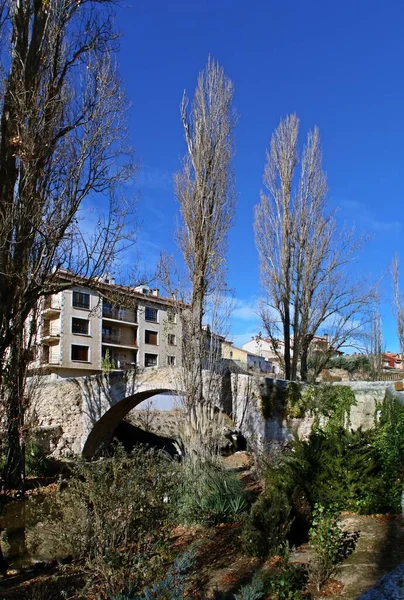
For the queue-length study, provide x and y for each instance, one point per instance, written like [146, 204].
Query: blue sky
[338, 65]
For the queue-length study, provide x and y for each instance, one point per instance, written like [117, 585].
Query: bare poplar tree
[205, 192]
[302, 256]
[62, 140]
[274, 232]
[398, 302]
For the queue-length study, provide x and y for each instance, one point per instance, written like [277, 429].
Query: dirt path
[380, 548]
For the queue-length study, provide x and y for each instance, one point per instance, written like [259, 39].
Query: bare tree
[302, 256]
[62, 140]
[205, 193]
[274, 235]
[398, 302]
[376, 344]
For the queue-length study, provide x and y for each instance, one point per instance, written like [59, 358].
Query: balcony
[51, 305]
[119, 314]
[50, 335]
[118, 340]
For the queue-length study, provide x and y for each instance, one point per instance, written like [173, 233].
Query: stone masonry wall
[58, 408]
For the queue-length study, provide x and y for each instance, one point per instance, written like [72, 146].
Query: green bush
[326, 541]
[113, 517]
[350, 364]
[174, 586]
[37, 464]
[266, 527]
[331, 405]
[288, 584]
[208, 494]
[389, 445]
[336, 468]
[296, 401]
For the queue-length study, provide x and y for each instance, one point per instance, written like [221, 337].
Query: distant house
[272, 349]
[391, 360]
[246, 359]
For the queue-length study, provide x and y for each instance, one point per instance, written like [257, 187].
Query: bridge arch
[103, 429]
[107, 399]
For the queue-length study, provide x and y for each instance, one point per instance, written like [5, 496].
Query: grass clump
[208, 494]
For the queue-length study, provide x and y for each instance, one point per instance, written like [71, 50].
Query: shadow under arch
[102, 431]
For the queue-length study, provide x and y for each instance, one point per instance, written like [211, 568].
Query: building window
[151, 314]
[81, 300]
[171, 339]
[80, 353]
[171, 361]
[150, 360]
[80, 326]
[171, 316]
[150, 337]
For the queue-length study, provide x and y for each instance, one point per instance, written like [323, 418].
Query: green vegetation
[330, 404]
[266, 528]
[354, 364]
[113, 518]
[36, 462]
[208, 494]
[326, 541]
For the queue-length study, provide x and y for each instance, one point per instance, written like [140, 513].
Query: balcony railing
[51, 303]
[53, 333]
[119, 314]
[111, 338]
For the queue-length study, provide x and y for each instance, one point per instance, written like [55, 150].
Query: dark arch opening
[103, 430]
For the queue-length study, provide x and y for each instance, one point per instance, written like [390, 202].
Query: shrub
[331, 405]
[252, 591]
[113, 517]
[287, 584]
[326, 541]
[336, 468]
[175, 584]
[389, 445]
[296, 401]
[36, 462]
[266, 528]
[208, 494]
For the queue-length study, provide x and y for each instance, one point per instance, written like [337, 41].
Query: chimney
[156, 292]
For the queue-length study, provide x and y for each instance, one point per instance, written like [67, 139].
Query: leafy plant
[335, 468]
[107, 364]
[326, 541]
[208, 494]
[287, 584]
[266, 528]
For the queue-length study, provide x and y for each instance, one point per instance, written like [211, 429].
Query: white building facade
[83, 332]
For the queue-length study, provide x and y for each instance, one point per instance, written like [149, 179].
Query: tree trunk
[286, 337]
[14, 408]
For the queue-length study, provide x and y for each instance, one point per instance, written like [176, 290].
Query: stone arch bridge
[80, 415]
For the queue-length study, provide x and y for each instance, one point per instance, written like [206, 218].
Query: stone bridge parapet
[81, 414]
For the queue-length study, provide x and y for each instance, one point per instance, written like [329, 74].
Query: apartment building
[82, 330]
